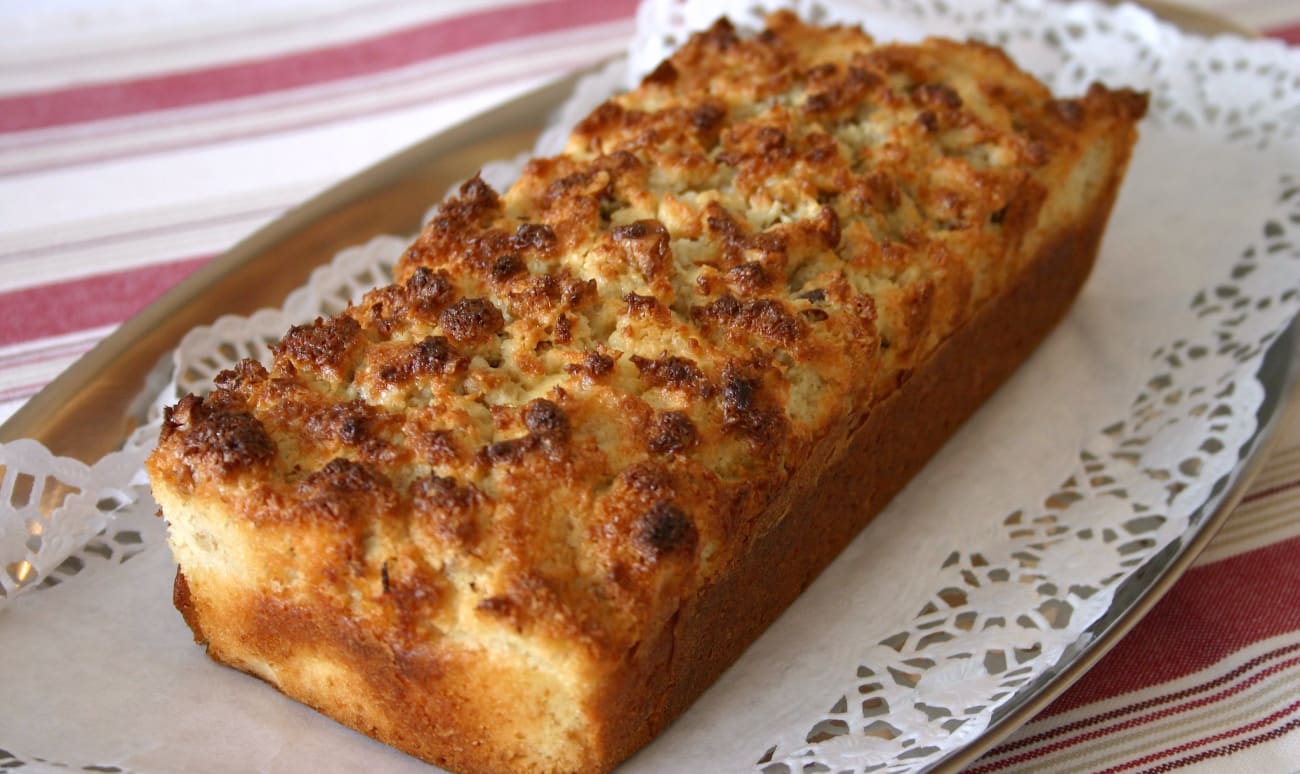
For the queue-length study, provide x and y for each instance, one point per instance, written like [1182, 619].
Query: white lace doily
[976, 581]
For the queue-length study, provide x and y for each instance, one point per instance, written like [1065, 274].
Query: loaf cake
[517, 510]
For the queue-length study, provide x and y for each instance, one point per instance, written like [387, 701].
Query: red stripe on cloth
[64, 307]
[1132, 723]
[1219, 737]
[1289, 34]
[1227, 749]
[1260, 494]
[244, 79]
[1156, 701]
[1214, 610]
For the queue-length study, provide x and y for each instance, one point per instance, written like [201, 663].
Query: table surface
[137, 142]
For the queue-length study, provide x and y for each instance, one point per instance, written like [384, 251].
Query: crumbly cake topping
[578, 396]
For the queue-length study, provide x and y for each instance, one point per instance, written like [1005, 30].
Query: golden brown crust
[591, 413]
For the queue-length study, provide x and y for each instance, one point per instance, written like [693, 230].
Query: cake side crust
[452, 707]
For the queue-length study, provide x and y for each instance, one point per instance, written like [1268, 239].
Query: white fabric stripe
[89, 259]
[24, 381]
[30, 349]
[151, 250]
[92, 233]
[122, 41]
[1070, 759]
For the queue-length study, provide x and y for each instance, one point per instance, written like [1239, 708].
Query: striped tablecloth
[139, 139]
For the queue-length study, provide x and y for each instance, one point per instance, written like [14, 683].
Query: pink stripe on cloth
[1204, 618]
[385, 52]
[156, 228]
[63, 307]
[1290, 34]
[46, 350]
[21, 391]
